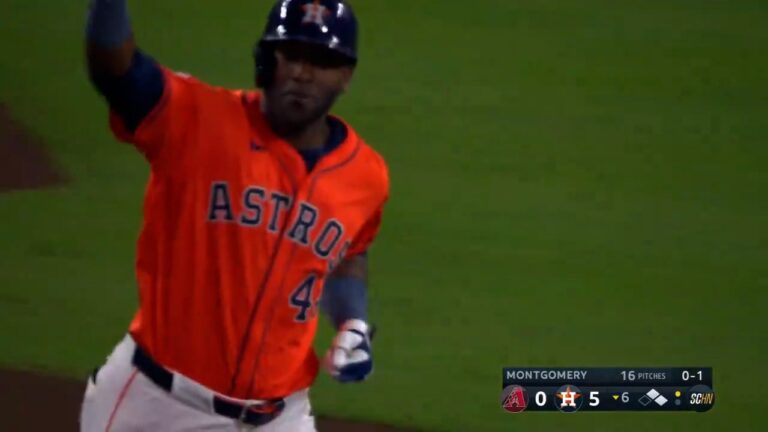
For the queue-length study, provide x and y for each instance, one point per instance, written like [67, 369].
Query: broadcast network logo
[514, 398]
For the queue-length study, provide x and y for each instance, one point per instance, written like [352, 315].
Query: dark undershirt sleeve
[133, 95]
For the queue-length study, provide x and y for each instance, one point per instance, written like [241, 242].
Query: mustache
[300, 93]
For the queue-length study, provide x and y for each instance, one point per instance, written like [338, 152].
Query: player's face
[307, 81]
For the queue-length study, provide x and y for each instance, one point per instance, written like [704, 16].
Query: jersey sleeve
[163, 130]
[134, 94]
[367, 233]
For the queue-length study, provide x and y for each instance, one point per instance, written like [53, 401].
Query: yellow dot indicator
[677, 393]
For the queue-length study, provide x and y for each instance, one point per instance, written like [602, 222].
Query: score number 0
[594, 400]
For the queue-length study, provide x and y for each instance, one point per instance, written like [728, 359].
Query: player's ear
[346, 79]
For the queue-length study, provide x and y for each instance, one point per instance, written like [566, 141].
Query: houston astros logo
[569, 398]
[314, 13]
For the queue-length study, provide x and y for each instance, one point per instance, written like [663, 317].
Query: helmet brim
[330, 43]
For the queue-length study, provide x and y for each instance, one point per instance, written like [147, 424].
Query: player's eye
[319, 57]
[327, 59]
[291, 55]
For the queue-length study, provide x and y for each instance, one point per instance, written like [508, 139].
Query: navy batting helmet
[328, 23]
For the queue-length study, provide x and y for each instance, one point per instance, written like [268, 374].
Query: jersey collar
[288, 156]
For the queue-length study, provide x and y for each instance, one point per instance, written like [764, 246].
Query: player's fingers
[339, 357]
[358, 356]
[328, 360]
[349, 339]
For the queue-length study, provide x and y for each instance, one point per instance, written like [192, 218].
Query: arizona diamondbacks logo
[315, 13]
[514, 399]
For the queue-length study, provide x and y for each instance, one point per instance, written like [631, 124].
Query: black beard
[287, 128]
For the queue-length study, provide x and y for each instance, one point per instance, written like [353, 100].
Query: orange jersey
[238, 238]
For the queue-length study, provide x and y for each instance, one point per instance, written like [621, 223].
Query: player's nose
[301, 70]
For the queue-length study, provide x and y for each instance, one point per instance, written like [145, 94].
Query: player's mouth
[296, 97]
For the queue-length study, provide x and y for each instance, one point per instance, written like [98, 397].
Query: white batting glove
[349, 358]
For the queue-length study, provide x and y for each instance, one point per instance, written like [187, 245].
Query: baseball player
[257, 203]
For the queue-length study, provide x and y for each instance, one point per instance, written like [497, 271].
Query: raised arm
[109, 45]
[131, 81]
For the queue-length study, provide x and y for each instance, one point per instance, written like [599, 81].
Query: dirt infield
[24, 163]
[36, 402]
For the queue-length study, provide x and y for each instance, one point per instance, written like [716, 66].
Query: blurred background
[574, 183]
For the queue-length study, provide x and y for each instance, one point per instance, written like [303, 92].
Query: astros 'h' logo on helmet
[315, 13]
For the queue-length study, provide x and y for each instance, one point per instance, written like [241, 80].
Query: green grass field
[573, 183]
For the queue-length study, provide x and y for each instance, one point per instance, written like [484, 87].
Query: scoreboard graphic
[576, 389]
